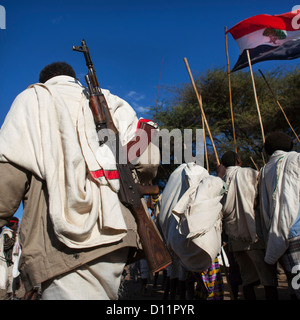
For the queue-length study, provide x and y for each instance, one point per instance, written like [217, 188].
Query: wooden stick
[202, 111]
[263, 157]
[155, 110]
[205, 146]
[276, 100]
[255, 96]
[230, 95]
[254, 164]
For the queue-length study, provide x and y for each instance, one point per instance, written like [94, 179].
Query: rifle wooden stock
[130, 193]
[96, 110]
[148, 190]
[156, 253]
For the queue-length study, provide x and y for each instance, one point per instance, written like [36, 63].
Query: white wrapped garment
[3, 262]
[279, 192]
[238, 209]
[190, 216]
[50, 131]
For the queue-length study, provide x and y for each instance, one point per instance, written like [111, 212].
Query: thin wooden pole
[276, 100]
[230, 95]
[254, 163]
[255, 96]
[263, 157]
[205, 146]
[155, 110]
[199, 98]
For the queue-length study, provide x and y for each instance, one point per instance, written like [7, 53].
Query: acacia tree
[274, 34]
[182, 110]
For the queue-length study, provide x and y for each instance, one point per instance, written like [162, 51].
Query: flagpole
[255, 96]
[202, 111]
[229, 86]
[279, 105]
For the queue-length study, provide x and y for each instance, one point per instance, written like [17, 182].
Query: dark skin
[221, 169]
[14, 228]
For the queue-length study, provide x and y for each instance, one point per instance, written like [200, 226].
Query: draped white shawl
[50, 131]
[190, 216]
[3, 262]
[279, 191]
[238, 208]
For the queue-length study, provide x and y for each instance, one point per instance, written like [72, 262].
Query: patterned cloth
[210, 283]
[292, 255]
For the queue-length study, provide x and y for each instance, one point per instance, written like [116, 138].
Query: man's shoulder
[249, 170]
[25, 94]
[248, 174]
[24, 98]
[241, 170]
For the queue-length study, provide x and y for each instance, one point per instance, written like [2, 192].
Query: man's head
[13, 223]
[230, 159]
[56, 69]
[278, 141]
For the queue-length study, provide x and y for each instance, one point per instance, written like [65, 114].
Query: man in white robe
[75, 234]
[189, 215]
[279, 203]
[239, 217]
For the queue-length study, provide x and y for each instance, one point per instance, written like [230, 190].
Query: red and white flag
[267, 37]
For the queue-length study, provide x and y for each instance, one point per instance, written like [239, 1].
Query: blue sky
[131, 42]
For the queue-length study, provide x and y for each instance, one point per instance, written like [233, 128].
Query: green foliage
[183, 111]
[274, 34]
